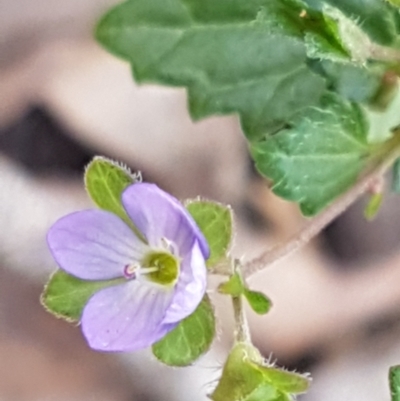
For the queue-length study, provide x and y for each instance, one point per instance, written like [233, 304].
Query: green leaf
[234, 286]
[320, 156]
[105, 181]
[378, 18]
[355, 83]
[65, 296]
[233, 56]
[245, 377]
[373, 206]
[394, 380]
[259, 302]
[216, 223]
[190, 339]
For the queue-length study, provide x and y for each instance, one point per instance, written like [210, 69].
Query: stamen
[130, 271]
[169, 246]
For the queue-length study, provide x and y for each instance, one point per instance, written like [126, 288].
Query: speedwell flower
[163, 274]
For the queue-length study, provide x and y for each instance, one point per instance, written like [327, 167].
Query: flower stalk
[242, 331]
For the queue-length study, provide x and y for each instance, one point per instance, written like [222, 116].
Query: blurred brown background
[63, 100]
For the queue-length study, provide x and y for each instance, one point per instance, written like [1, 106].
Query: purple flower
[163, 276]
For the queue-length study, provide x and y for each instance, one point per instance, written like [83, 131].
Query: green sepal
[394, 382]
[215, 221]
[245, 377]
[105, 180]
[190, 339]
[65, 296]
[373, 206]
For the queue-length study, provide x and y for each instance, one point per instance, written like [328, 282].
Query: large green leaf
[65, 296]
[190, 339]
[233, 56]
[320, 156]
[378, 18]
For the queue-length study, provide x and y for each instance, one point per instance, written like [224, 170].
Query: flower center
[162, 267]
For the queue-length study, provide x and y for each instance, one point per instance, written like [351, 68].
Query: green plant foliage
[236, 287]
[379, 19]
[320, 156]
[233, 58]
[105, 181]
[246, 378]
[216, 223]
[271, 62]
[394, 381]
[190, 339]
[65, 296]
[258, 301]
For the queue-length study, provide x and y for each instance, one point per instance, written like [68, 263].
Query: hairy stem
[315, 226]
[242, 332]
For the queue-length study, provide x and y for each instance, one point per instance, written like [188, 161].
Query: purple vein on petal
[125, 317]
[94, 245]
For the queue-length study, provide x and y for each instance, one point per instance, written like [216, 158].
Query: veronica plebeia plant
[315, 85]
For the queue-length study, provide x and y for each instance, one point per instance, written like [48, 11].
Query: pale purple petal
[157, 214]
[94, 245]
[126, 317]
[189, 289]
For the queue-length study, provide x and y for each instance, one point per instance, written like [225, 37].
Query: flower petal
[94, 245]
[190, 288]
[126, 317]
[157, 214]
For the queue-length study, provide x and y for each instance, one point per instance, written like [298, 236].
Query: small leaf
[216, 223]
[105, 181]
[373, 206]
[65, 296]
[259, 302]
[234, 286]
[396, 177]
[394, 381]
[190, 339]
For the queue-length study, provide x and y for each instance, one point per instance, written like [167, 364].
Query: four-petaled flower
[163, 273]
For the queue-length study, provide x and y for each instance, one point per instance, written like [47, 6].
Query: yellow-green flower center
[166, 267]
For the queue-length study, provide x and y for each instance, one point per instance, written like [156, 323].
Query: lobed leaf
[320, 156]
[232, 57]
[216, 223]
[190, 339]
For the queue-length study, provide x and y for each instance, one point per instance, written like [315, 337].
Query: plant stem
[316, 225]
[242, 332]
